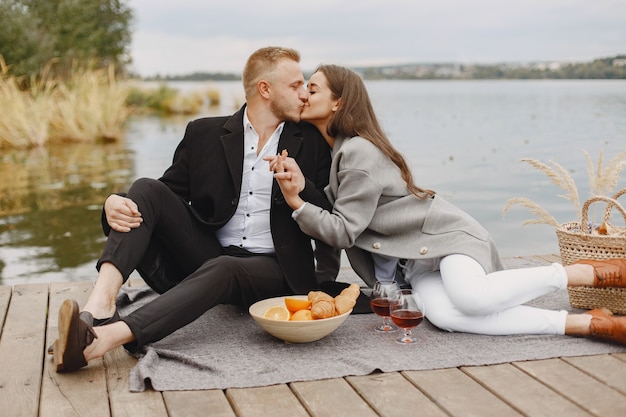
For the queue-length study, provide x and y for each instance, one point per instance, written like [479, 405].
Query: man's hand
[289, 177]
[122, 213]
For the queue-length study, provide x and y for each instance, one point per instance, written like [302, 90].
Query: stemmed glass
[407, 312]
[380, 300]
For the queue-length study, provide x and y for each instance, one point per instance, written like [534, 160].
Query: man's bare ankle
[100, 312]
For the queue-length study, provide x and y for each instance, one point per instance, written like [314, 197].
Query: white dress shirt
[249, 228]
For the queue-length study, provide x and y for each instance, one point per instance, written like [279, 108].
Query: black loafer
[96, 322]
[75, 333]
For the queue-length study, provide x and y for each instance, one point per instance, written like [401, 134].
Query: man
[215, 228]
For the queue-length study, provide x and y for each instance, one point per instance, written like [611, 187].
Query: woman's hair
[261, 64]
[355, 117]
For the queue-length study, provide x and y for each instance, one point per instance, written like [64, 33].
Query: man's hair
[262, 62]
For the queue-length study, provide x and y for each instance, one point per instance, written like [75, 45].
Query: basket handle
[611, 203]
[607, 213]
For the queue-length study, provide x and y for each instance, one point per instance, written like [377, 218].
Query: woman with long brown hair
[380, 217]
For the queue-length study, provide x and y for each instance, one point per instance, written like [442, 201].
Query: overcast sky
[184, 36]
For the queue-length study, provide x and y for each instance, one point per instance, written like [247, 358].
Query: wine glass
[407, 311]
[380, 300]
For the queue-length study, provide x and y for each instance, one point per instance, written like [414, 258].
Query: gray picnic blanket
[226, 348]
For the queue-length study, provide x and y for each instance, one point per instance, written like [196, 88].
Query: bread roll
[353, 291]
[315, 296]
[322, 309]
[343, 303]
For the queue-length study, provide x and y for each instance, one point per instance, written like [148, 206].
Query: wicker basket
[576, 242]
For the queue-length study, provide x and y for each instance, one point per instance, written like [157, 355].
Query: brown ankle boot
[609, 328]
[608, 272]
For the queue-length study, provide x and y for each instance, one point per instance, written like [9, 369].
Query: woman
[380, 217]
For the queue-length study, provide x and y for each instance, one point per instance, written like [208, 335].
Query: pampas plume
[543, 217]
[602, 180]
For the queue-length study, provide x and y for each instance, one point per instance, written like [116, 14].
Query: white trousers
[460, 296]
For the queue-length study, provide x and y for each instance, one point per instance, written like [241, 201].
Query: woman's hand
[122, 213]
[289, 177]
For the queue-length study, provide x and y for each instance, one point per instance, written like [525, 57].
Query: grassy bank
[90, 106]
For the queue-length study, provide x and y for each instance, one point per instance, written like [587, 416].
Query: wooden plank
[81, 393]
[575, 385]
[5, 298]
[197, 403]
[620, 356]
[125, 403]
[605, 368]
[21, 350]
[270, 401]
[551, 258]
[581, 386]
[522, 392]
[118, 364]
[391, 395]
[331, 397]
[458, 394]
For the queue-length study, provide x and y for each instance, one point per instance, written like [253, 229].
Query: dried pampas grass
[602, 179]
[543, 217]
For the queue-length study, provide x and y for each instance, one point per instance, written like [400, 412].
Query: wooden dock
[580, 386]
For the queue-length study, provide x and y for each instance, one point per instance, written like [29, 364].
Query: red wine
[380, 306]
[406, 318]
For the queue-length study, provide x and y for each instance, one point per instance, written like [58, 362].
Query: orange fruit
[301, 315]
[296, 304]
[277, 313]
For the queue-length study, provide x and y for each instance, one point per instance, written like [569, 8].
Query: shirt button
[376, 245]
[423, 250]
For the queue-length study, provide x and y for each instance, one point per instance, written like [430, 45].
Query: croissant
[322, 309]
[343, 303]
[315, 296]
[353, 291]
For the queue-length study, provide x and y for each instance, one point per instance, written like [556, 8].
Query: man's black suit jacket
[206, 173]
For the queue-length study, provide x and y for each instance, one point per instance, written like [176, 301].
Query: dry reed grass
[26, 115]
[602, 179]
[189, 103]
[214, 97]
[89, 107]
[170, 101]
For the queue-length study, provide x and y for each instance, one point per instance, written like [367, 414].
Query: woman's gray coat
[373, 212]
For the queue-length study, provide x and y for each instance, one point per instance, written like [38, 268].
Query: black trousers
[181, 259]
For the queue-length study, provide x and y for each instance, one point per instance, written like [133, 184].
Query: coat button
[423, 250]
[376, 245]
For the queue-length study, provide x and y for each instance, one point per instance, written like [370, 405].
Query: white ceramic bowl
[297, 331]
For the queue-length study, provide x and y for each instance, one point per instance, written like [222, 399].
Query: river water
[463, 139]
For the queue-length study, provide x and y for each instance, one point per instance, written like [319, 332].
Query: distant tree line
[65, 33]
[603, 68]
[197, 76]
